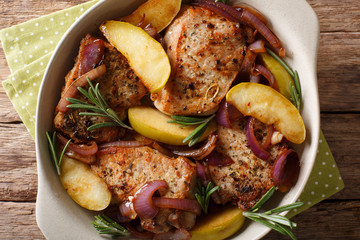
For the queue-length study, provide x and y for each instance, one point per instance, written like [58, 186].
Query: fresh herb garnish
[195, 135]
[223, 1]
[203, 195]
[99, 108]
[105, 225]
[271, 218]
[295, 91]
[53, 151]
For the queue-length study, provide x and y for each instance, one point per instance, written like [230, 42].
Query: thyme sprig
[271, 218]
[295, 90]
[98, 108]
[105, 225]
[196, 134]
[203, 194]
[53, 151]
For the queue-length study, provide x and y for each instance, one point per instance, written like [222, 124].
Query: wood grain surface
[339, 89]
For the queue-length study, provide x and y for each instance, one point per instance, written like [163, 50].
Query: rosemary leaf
[263, 199]
[203, 194]
[76, 101]
[285, 208]
[266, 223]
[53, 151]
[105, 225]
[193, 133]
[278, 219]
[282, 62]
[92, 114]
[198, 135]
[188, 119]
[101, 125]
[287, 231]
[87, 107]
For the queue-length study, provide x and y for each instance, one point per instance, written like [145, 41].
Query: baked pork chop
[120, 87]
[126, 170]
[246, 180]
[205, 52]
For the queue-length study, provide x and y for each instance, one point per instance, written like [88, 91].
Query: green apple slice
[270, 107]
[146, 56]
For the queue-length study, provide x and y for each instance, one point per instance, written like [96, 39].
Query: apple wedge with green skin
[153, 124]
[158, 13]
[83, 186]
[218, 225]
[146, 56]
[282, 77]
[270, 107]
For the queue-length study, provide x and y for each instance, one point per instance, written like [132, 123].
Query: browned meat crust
[248, 178]
[125, 170]
[120, 87]
[205, 51]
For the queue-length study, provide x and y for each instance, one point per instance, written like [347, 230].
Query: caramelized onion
[188, 205]
[285, 170]
[217, 159]
[92, 55]
[127, 209]
[268, 75]
[126, 144]
[143, 203]
[140, 234]
[248, 62]
[269, 135]
[251, 9]
[80, 82]
[200, 152]
[162, 149]
[222, 115]
[201, 173]
[258, 46]
[85, 159]
[255, 146]
[82, 149]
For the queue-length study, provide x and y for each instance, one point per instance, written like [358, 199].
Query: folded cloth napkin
[28, 48]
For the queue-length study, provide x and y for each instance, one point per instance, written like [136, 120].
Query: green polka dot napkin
[28, 48]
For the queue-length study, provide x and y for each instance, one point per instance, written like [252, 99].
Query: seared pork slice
[206, 51]
[120, 87]
[125, 170]
[246, 180]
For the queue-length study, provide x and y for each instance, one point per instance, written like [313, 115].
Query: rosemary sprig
[271, 218]
[53, 151]
[196, 134]
[105, 225]
[99, 108]
[203, 195]
[295, 91]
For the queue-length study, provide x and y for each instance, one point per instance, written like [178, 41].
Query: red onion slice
[251, 9]
[217, 159]
[188, 205]
[255, 146]
[82, 149]
[91, 55]
[257, 46]
[127, 209]
[85, 159]
[268, 75]
[143, 203]
[126, 144]
[80, 82]
[222, 115]
[248, 62]
[267, 142]
[201, 152]
[285, 170]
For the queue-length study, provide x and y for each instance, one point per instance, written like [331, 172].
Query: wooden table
[339, 87]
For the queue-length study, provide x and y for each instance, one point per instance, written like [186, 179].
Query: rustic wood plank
[15, 12]
[18, 221]
[339, 72]
[18, 171]
[328, 220]
[340, 16]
